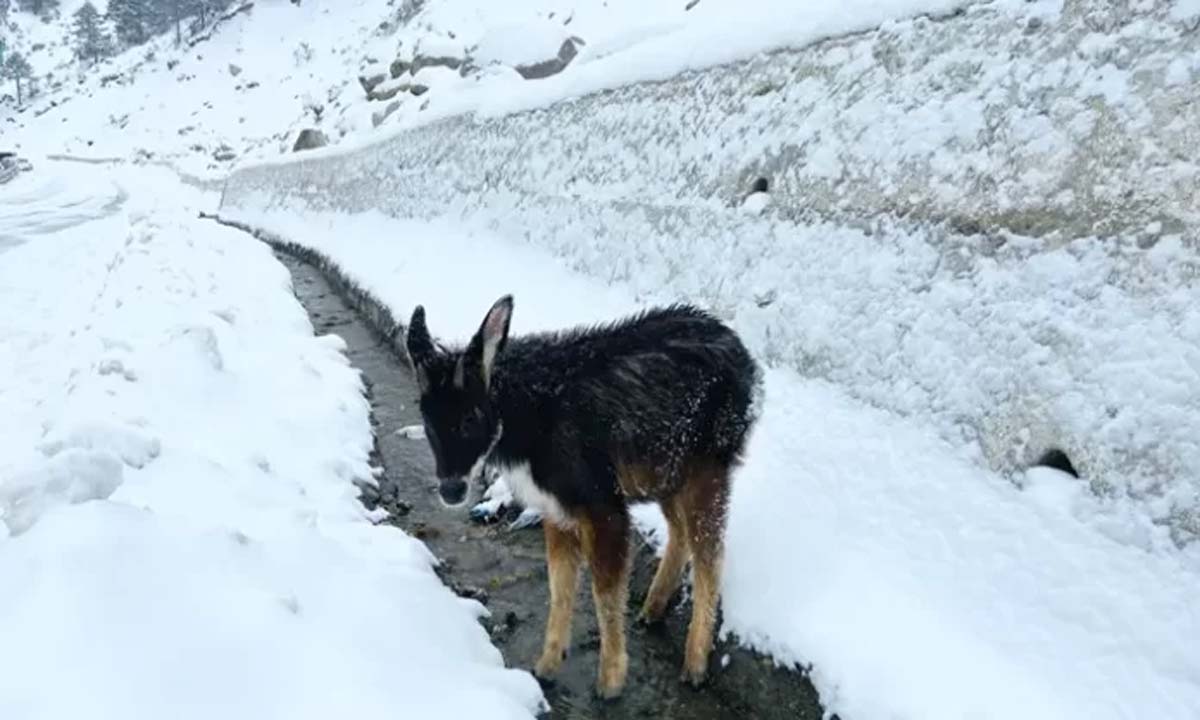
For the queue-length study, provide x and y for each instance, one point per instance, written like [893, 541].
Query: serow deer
[653, 408]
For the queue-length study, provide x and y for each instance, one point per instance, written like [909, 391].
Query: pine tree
[17, 68]
[91, 40]
[42, 8]
[131, 20]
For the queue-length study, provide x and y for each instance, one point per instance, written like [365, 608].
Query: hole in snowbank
[1057, 459]
[760, 185]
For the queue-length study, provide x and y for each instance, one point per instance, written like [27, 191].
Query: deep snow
[245, 92]
[180, 533]
[178, 450]
[916, 584]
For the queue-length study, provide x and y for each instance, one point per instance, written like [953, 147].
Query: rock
[555, 65]
[399, 66]
[388, 91]
[224, 154]
[310, 139]
[418, 90]
[438, 52]
[370, 82]
[234, 70]
[379, 116]
[424, 61]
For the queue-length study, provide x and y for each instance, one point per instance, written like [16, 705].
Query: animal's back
[655, 393]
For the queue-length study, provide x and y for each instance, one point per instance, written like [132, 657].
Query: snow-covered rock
[536, 49]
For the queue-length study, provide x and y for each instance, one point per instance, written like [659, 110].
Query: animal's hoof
[548, 665]
[694, 678]
[648, 619]
[609, 694]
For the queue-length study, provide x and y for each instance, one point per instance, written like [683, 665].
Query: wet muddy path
[505, 569]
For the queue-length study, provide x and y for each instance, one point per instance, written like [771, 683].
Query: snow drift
[984, 221]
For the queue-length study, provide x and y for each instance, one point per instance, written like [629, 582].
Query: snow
[916, 583]
[520, 44]
[180, 532]
[301, 63]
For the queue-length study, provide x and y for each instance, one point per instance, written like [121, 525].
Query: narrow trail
[505, 569]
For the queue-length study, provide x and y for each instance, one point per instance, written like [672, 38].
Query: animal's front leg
[562, 561]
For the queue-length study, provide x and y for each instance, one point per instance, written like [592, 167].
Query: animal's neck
[521, 400]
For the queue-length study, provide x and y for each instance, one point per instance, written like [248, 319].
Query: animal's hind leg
[562, 561]
[605, 539]
[705, 501]
[670, 568]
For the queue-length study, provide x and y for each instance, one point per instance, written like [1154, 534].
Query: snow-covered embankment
[1055, 308]
[180, 532]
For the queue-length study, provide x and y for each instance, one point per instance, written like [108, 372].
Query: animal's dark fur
[656, 407]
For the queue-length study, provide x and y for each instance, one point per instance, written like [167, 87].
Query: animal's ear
[419, 346]
[480, 355]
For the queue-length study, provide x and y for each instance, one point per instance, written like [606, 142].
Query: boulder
[552, 66]
[369, 82]
[424, 61]
[378, 117]
[310, 139]
[388, 90]
[399, 66]
[224, 154]
[437, 52]
[234, 70]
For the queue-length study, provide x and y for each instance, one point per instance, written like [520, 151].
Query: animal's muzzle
[453, 491]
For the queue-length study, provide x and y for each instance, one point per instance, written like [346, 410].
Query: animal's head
[456, 406]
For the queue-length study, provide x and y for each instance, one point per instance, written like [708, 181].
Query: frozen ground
[180, 533]
[916, 584]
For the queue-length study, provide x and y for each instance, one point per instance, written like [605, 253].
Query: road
[54, 196]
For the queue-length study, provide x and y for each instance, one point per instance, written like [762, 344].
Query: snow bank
[520, 44]
[1019, 305]
[297, 67]
[179, 526]
[916, 584]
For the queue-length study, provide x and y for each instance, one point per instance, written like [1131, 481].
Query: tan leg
[562, 560]
[670, 568]
[606, 545]
[705, 503]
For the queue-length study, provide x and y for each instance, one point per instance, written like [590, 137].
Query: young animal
[654, 408]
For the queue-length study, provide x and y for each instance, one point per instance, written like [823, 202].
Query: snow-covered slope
[1078, 333]
[180, 533]
[262, 75]
[917, 585]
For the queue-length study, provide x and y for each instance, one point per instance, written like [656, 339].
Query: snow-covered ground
[263, 75]
[180, 533]
[178, 523]
[916, 584]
